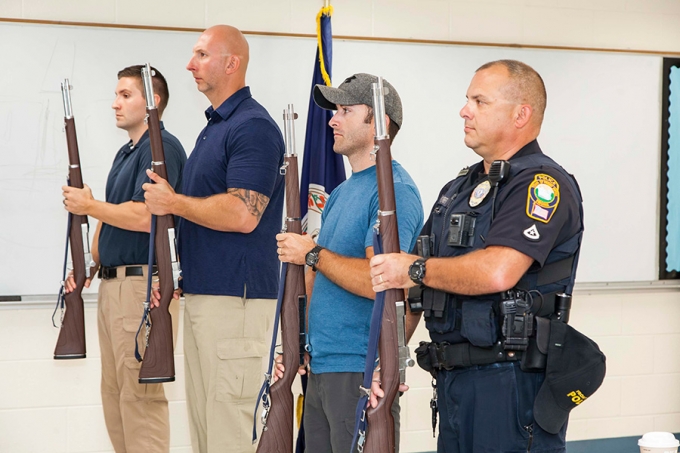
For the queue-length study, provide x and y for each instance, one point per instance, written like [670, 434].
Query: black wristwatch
[417, 271]
[312, 258]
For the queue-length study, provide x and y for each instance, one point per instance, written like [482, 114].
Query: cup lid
[658, 439]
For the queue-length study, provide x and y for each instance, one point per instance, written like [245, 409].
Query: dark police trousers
[498, 415]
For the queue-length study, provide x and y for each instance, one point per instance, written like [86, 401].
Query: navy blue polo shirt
[118, 247]
[240, 148]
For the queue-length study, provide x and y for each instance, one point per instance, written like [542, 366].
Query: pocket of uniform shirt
[479, 323]
[239, 371]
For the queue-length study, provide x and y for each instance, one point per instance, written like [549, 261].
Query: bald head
[219, 63]
[230, 41]
[525, 87]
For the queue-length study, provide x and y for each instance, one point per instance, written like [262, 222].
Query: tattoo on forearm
[255, 202]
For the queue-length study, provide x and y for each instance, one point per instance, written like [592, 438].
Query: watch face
[417, 271]
[310, 259]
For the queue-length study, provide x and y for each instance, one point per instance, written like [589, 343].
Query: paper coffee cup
[658, 442]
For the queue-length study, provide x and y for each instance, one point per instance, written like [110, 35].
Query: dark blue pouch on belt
[440, 310]
[478, 323]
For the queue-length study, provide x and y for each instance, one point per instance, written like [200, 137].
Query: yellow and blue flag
[322, 169]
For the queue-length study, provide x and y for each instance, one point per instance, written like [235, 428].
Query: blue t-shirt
[240, 148]
[339, 321]
[118, 247]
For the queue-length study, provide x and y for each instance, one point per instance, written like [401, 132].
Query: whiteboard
[602, 124]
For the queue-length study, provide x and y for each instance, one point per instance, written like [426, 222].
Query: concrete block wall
[54, 406]
[49, 406]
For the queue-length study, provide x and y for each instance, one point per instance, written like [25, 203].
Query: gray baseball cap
[357, 90]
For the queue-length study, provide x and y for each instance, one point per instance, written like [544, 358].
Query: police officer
[504, 237]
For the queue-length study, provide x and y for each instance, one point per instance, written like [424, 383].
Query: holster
[438, 356]
[534, 358]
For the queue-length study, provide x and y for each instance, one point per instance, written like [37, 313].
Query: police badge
[480, 192]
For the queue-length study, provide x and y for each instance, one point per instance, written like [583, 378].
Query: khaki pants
[225, 341]
[136, 414]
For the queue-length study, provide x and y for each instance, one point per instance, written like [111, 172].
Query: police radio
[498, 172]
[518, 320]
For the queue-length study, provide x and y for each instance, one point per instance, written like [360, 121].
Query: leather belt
[106, 273]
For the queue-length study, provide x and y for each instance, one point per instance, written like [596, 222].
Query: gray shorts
[330, 404]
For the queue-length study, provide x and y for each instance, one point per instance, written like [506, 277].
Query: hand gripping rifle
[394, 356]
[71, 341]
[159, 363]
[277, 435]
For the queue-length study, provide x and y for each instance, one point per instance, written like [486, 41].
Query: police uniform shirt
[518, 223]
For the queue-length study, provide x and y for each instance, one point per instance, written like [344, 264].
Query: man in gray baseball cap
[340, 305]
[357, 90]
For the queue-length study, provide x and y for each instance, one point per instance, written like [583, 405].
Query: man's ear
[233, 63]
[156, 99]
[523, 115]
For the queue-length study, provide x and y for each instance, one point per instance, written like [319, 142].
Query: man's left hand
[377, 392]
[77, 201]
[159, 197]
[293, 248]
[390, 270]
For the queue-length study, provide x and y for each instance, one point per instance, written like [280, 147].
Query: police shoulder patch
[543, 197]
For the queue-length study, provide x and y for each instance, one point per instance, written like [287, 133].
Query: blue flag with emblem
[322, 169]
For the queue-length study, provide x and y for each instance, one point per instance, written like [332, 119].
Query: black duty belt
[106, 273]
[437, 356]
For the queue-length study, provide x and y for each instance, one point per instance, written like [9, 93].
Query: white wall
[616, 24]
[49, 406]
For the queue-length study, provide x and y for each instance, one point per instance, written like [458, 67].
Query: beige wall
[49, 406]
[615, 24]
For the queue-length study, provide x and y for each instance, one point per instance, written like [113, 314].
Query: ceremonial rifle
[71, 341]
[159, 362]
[394, 356]
[277, 435]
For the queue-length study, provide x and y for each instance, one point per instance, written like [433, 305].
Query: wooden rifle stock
[277, 436]
[380, 432]
[158, 364]
[71, 341]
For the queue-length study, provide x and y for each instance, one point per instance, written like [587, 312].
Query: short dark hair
[160, 86]
[392, 129]
[527, 85]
